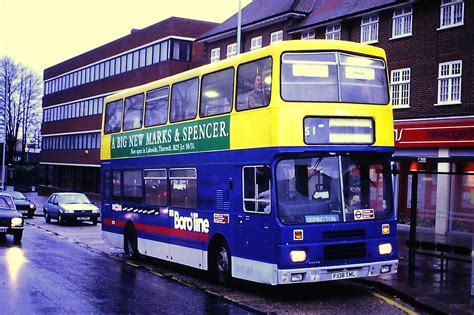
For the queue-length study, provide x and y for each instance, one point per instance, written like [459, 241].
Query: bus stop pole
[412, 235]
[472, 267]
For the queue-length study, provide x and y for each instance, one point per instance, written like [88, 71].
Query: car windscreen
[17, 195]
[76, 199]
[333, 77]
[6, 202]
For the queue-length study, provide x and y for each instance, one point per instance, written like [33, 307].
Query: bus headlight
[298, 256]
[385, 249]
[17, 222]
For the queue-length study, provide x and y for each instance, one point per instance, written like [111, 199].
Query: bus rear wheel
[131, 243]
[221, 264]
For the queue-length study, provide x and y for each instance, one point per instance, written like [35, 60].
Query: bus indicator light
[298, 235]
[385, 229]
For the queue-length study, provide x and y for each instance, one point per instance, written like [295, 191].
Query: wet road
[47, 274]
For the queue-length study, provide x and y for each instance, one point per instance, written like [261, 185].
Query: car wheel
[131, 243]
[3, 237]
[94, 221]
[47, 218]
[222, 264]
[30, 216]
[60, 219]
[17, 235]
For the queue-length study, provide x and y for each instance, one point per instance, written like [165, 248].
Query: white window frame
[256, 43]
[449, 81]
[256, 198]
[231, 50]
[369, 29]
[276, 37]
[448, 7]
[333, 32]
[402, 17]
[308, 35]
[215, 54]
[400, 87]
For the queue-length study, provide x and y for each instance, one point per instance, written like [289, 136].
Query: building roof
[173, 26]
[326, 11]
[260, 11]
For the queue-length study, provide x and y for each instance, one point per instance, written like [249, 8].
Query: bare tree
[20, 92]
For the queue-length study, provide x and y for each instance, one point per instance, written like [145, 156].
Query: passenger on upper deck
[257, 97]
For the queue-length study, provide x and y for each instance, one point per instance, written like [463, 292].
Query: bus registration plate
[344, 275]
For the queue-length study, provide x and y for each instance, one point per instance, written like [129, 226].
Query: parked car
[11, 221]
[23, 204]
[69, 206]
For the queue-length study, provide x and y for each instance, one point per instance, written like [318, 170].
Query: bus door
[255, 223]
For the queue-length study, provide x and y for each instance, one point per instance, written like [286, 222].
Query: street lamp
[4, 145]
[239, 27]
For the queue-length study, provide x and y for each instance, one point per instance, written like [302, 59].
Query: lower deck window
[132, 186]
[183, 187]
[116, 185]
[156, 187]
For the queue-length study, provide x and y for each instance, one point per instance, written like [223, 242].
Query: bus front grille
[344, 251]
[343, 234]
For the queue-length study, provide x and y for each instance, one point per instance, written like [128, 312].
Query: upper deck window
[113, 117]
[133, 115]
[254, 84]
[333, 77]
[156, 109]
[184, 98]
[217, 93]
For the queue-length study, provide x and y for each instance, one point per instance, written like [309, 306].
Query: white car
[70, 207]
[11, 221]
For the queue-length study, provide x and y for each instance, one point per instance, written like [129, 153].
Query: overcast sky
[42, 33]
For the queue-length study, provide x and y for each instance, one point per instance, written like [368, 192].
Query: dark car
[22, 204]
[11, 221]
[70, 207]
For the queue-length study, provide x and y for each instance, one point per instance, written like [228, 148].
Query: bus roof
[273, 49]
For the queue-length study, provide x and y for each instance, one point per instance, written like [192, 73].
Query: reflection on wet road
[47, 274]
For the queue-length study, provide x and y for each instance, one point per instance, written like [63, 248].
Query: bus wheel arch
[130, 241]
[220, 259]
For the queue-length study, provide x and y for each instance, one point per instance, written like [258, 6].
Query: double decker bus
[271, 166]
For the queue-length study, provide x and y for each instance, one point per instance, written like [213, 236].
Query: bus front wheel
[222, 264]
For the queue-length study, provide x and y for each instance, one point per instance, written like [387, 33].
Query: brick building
[74, 91]
[430, 52]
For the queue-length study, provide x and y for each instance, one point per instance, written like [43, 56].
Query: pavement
[425, 287]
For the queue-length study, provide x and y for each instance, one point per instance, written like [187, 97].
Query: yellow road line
[132, 264]
[157, 273]
[394, 303]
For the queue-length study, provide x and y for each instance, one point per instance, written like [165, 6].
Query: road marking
[394, 303]
[157, 273]
[132, 264]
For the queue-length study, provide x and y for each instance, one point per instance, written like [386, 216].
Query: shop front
[440, 152]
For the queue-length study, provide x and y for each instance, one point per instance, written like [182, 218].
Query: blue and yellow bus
[272, 166]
